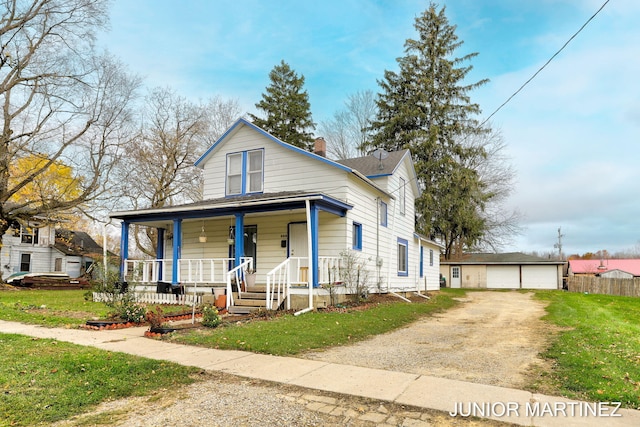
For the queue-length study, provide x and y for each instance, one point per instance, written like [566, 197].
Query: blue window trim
[405, 243]
[357, 236]
[383, 218]
[244, 174]
[421, 261]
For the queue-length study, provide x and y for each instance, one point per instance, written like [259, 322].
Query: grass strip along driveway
[44, 380]
[598, 357]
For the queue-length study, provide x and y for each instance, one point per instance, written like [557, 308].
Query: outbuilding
[502, 271]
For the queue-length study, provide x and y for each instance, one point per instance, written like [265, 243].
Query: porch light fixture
[203, 236]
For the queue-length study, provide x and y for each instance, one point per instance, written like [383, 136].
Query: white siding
[284, 169]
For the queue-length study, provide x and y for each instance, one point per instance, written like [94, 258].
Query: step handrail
[280, 277]
[237, 273]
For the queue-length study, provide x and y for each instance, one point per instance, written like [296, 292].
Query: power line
[545, 64]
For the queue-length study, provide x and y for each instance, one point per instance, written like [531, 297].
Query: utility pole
[558, 245]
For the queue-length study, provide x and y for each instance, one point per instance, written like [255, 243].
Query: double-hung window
[383, 213]
[357, 236]
[245, 172]
[403, 257]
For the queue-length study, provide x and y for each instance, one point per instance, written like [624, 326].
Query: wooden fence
[154, 298]
[601, 285]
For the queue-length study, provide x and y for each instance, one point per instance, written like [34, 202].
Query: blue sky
[573, 134]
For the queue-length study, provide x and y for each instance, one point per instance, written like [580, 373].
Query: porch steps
[254, 299]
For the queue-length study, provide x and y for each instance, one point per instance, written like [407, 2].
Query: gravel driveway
[492, 338]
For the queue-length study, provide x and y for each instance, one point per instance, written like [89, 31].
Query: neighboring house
[502, 271]
[38, 247]
[610, 268]
[289, 214]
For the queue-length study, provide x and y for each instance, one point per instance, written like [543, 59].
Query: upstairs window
[245, 174]
[29, 235]
[254, 171]
[383, 213]
[234, 173]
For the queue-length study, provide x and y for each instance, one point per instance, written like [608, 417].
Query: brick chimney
[320, 147]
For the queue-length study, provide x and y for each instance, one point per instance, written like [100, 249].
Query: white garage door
[540, 277]
[503, 276]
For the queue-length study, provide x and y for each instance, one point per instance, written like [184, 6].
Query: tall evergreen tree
[286, 108]
[426, 107]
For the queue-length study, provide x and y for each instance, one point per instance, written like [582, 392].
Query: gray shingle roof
[506, 258]
[371, 166]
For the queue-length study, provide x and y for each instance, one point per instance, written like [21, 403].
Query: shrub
[155, 318]
[210, 316]
[132, 312]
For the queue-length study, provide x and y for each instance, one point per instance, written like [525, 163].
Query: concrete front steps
[255, 298]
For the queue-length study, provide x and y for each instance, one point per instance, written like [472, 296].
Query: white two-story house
[293, 217]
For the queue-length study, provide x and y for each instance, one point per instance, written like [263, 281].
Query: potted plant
[157, 322]
[250, 278]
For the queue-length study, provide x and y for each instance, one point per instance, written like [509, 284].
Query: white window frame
[384, 213]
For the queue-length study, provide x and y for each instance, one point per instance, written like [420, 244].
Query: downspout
[312, 273]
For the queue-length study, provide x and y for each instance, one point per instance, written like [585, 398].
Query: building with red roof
[611, 268]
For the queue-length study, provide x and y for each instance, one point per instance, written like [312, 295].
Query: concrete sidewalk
[467, 399]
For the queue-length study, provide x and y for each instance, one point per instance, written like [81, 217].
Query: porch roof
[266, 202]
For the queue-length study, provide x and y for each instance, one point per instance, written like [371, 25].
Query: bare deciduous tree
[496, 173]
[59, 100]
[348, 131]
[174, 133]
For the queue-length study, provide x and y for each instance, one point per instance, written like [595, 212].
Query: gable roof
[241, 122]
[505, 258]
[76, 243]
[373, 168]
[597, 266]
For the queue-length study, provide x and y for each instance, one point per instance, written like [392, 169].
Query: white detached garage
[502, 271]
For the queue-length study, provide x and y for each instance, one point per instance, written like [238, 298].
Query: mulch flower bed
[101, 325]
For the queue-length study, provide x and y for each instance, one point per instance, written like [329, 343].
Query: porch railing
[329, 270]
[200, 271]
[236, 275]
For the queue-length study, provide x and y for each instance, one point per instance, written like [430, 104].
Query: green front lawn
[290, 335]
[598, 357]
[58, 308]
[49, 308]
[44, 380]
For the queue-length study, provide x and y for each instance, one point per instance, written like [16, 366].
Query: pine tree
[286, 108]
[426, 107]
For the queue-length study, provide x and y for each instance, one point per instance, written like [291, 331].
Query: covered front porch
[248, 248]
